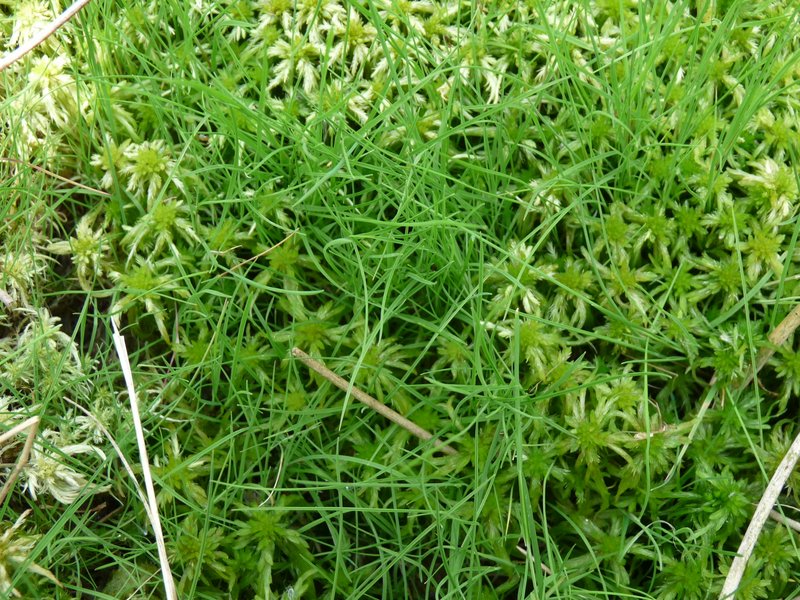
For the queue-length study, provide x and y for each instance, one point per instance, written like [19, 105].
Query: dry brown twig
[259, 255]
[16, 161]
[776, 338]
[779, 335]
[32, 426]
[374, 404]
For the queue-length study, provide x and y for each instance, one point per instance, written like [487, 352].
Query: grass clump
[554, 234]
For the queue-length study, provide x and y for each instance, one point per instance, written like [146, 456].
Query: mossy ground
[547, 231]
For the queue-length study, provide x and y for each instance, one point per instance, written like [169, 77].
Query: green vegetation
[553, 233]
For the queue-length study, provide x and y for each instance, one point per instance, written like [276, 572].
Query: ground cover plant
[555, 234]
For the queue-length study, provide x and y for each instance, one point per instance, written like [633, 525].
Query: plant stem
[374, 404]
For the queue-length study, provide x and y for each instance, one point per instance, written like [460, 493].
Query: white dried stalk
[12, 57]
[155, 520]
[760, 516]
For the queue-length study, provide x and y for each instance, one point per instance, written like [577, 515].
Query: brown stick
[259, 255]
[16, 161]
[374, 404]
[777, 337]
